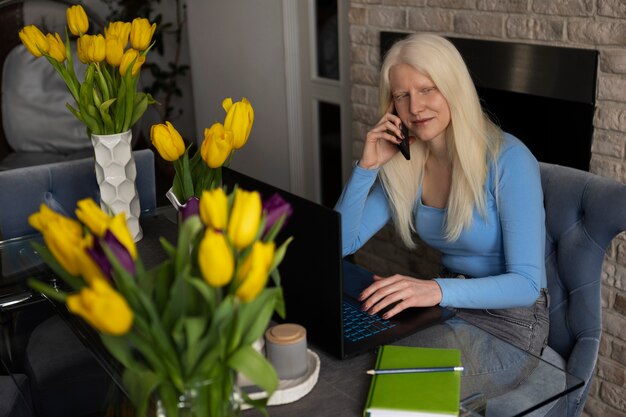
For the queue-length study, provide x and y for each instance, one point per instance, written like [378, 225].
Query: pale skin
[425, 112]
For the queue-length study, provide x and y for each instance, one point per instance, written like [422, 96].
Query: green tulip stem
[47, 290]
[70, 68]
[130, 100]
[102, 84]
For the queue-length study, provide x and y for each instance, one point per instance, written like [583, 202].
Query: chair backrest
[61, 185]
[584, 212]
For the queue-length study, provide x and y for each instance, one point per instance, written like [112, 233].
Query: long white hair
[471, 138]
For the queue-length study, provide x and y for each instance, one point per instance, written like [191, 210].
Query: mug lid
[285, 334]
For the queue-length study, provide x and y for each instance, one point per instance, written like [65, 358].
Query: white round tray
[290, 390]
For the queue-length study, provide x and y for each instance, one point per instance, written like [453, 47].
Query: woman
[469, 190]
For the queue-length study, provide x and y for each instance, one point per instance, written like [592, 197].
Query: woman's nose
[417, 104]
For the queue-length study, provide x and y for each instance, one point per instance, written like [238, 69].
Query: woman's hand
[381, 140]
[400, 289]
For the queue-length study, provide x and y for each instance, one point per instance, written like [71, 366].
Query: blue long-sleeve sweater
[503, 252]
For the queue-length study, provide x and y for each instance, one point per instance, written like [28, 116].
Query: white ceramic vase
[116, 173]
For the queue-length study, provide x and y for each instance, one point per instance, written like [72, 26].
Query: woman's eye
[399, 97]
[427, 90]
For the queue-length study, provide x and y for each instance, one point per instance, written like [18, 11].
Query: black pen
[415, 370]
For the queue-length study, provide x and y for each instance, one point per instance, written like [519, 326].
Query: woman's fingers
[400, 290]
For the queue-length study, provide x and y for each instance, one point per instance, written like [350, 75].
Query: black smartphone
[405, 150]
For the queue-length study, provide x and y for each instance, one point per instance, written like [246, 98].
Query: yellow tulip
[239, 119]
[97, 50]
[119, 30]
[64, 246]
[215, 259]
[167, 141]
[114, 51]
[82, 46]
[253, 273]
[217, 145]
[119, 228]
[91, 48]
[245, 218]
[103, 308]
[214, 208]
[89, 270]
[57, 47]
[96, 220]
[34, 40]
[128, 58]
[46, 217]
[77, 20]
[141, 33]
[92, 216]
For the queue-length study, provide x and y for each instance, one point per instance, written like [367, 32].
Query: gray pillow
[34, 115]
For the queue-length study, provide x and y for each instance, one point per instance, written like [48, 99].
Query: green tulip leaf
[255, 316]
[120, 349]
[47, 290]
[280, 300]
[194, 328]
[280, 253]
[168, 247]
[260, 404]
[254, 366]
[207, 292]
[140, 386]
[140, 107]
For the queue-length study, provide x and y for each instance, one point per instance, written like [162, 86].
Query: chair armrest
[581, 363]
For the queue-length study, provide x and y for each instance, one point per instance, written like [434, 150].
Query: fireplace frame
[545, 95]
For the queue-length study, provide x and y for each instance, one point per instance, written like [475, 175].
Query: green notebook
[414, 394]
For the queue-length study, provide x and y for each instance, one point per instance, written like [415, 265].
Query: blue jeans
[492, 365]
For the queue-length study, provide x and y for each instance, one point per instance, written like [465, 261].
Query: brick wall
[599, 24]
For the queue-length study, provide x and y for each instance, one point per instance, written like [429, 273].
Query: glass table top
[342, 385]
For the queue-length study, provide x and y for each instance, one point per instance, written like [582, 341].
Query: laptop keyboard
[358, 325]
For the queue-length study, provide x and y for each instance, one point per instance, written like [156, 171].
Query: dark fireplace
[544, 95]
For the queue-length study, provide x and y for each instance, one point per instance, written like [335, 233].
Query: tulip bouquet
[183, 329]
[203, 171]
[106, 101]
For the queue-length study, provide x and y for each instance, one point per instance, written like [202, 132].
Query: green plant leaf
[168, 247]
[47, 290]
[208, 293]
[280, 301]
[120, 349]
[163, 284]
[139, 108]
[140, 386]
[280, 253]
[260, 404]
[255, 316]
[120, 107]
[194, 329]
[254, 366]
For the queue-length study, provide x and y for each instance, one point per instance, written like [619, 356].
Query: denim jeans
[524, 327]
[492, 365]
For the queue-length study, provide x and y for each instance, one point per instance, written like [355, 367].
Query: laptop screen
[311, 270]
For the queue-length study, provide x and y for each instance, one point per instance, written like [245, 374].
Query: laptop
[321, 289]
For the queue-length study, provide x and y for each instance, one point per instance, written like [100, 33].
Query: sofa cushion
[34, 115]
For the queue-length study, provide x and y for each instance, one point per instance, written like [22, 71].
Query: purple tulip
[275, 207]
[119, 251]
[190, 208]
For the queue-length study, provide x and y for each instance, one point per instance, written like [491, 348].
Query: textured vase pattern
[116, 173]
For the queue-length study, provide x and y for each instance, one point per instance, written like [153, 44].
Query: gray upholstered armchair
[584, 212]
